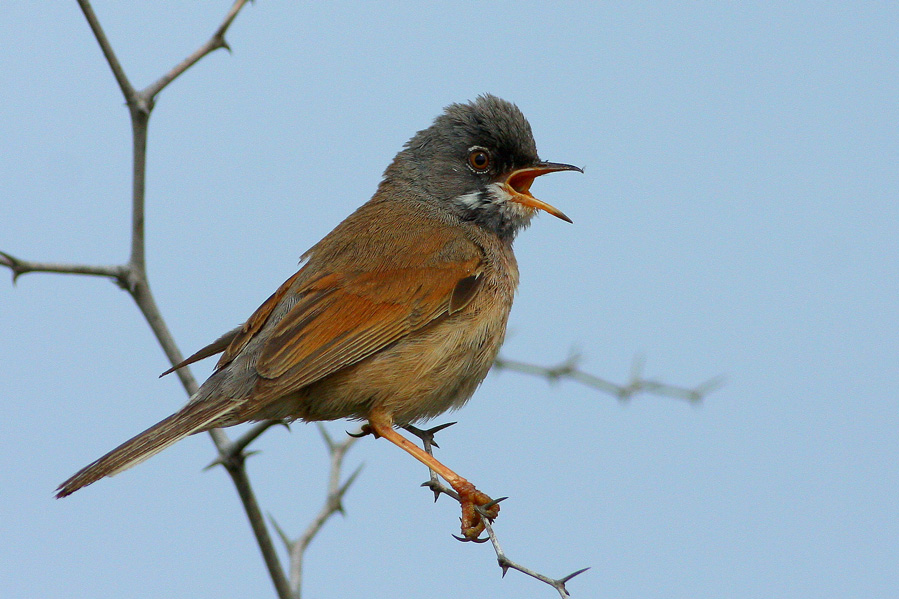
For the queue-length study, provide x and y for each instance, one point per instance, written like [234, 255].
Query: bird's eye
[479, 159]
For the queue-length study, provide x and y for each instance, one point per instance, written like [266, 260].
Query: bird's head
[478, 161]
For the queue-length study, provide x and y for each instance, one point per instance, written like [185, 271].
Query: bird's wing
[234, 340]
[216, 347]
[258, 319]
[383, 279]
[348, 317]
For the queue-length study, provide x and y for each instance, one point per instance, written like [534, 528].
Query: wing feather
[361, 314]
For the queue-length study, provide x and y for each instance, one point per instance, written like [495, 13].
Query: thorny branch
[427, 439]
[505, 563]
[333, 504]
[133, 277]
[20, 267]
[568, 369]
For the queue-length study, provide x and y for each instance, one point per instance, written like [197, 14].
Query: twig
[505, 563]
[140, 104]
[333, 504]
[212, 44]
[427, 438]
[114, 65]
[21, 267]
[568, 369]
[132, 276]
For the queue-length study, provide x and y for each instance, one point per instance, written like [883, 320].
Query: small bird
[396, 315]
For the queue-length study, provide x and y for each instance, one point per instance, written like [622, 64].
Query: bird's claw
[478, 540]
[475, 507]
[364, 431]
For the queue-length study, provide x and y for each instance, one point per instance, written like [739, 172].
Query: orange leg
[382, 426]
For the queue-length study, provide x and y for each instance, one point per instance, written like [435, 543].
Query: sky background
[738, 216]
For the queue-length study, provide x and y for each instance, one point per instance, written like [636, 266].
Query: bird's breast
[431, 371]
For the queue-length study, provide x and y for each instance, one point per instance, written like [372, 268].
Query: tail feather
[193, 418]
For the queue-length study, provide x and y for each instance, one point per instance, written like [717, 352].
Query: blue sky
[738, 216]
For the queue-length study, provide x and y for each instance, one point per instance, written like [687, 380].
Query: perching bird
[396, 315]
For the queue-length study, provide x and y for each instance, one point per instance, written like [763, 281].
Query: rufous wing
[357, 315]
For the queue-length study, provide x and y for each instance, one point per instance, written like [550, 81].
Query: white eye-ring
[479, 159]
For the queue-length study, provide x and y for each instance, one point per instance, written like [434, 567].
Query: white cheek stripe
[499, 198]
[469, 199]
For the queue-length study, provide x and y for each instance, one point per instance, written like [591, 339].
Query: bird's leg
[382, 426]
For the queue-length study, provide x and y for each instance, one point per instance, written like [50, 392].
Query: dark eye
[479, 159]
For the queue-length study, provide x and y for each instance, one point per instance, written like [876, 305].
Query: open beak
[518, 186]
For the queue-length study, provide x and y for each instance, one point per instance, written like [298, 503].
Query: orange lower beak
[518, 185]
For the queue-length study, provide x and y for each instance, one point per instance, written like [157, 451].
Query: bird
[396, 315]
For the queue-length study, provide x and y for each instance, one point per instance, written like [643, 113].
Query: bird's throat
[493, 208]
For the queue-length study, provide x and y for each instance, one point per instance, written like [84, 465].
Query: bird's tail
[193, 418]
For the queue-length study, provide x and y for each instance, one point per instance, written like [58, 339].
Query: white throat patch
[499, 198]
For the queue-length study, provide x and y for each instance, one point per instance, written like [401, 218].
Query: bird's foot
[364, 431]
[472, 519]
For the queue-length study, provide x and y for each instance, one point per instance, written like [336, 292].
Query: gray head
[478, 161]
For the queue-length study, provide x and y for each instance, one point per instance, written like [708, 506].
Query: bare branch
[568, 369]
[212, 44]
[251, 435]
[333, 504]
[133, 275]
[20, 267]
[238, 472]
[427, 441]
[234, 451]
[114, 65]
[427, 438]
[506, 564]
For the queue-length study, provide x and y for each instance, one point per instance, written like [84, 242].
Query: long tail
[193, 418]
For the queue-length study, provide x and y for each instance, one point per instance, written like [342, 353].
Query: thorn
[572, 575]
[430, 484]
[284, 538]
[433, 431]
[12, 264]
[336, 505]
[487, 506]
[710, 385]
[440, 427]
[427, 436]
[637, 366]
[216, 462]
[230, 458]
[574, 357]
